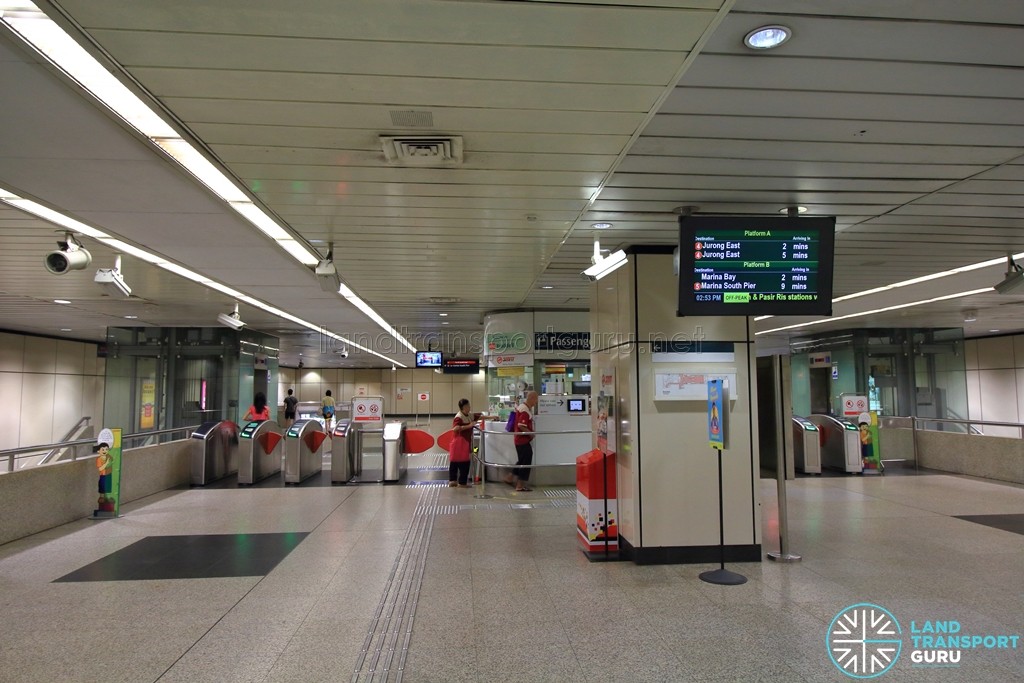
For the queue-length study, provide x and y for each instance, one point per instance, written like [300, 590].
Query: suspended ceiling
[903, 120]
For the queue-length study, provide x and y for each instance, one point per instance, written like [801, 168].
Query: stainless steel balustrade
[12, 454]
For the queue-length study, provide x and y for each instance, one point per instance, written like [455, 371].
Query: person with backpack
[523, 439]
[327, 408]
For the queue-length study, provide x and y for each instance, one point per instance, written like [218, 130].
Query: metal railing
[969, 424]
[921, 424]
[12, 454]
[53, 453]
[485, 434]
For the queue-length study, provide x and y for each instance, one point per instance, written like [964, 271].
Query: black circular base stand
[722, 576]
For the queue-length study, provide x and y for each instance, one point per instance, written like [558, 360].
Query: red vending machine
[596, 505]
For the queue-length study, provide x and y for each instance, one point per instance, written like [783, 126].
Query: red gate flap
[445, 440]
[269, 441]
[418, 441]
[314, 440]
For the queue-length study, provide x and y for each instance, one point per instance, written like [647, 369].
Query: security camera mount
[70, 255]
[111, 280]
[231, 320]
[1013, 283]
[327, 273]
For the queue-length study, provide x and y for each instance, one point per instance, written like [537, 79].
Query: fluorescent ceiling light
[918, 280]
[261, 220]
[922, 302]
[354, 299]
[600, 226]
[50, 40]
[52, 216]
[40, 32]
[199, 166]
[606, 265]
[298, 251]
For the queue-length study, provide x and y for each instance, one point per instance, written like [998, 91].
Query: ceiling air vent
[411, 118]
[423, 151]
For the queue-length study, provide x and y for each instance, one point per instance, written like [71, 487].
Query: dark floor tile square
[1014, 523]
[191, 557]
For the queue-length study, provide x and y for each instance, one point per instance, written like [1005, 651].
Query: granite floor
[426, 583]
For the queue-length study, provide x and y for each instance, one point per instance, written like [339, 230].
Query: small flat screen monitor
[577, 405]
[460, 366]
[755, 265]
[428, 359]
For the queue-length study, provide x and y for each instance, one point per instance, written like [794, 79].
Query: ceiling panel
[422, 60]
[437, 21]
[446, 118]
[904, 120]
[483, 144]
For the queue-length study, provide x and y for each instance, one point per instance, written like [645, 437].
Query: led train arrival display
[739, 265]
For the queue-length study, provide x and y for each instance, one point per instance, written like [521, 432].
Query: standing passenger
[459, 452]
[289, 409]
[523, 442]
[327, 408]
[462, 445]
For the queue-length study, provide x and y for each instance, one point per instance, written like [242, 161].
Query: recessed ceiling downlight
[767, 37]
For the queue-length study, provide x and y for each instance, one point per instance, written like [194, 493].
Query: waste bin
[214, 451]
[259, 451]
[395, 460]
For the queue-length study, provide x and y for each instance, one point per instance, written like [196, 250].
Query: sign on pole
[716, 414]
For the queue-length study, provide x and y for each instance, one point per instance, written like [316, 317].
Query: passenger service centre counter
[547, 352]
[548, 448]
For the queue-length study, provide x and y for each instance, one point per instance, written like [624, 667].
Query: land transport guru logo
[865, 641]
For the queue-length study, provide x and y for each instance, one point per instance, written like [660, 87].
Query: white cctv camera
[231, 320]
[343, 352]
[69, 256]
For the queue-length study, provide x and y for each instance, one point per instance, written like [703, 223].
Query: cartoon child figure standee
[105, 463]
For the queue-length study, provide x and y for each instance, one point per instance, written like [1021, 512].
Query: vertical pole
[721, 576]
[721, 515]
[913, 438]
[781, 466]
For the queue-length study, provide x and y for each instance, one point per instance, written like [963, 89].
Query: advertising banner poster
[716, 414]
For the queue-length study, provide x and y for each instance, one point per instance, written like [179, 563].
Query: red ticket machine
[597, 515]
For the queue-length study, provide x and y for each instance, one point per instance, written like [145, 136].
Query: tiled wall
[444, 390]
[995, 381]
[46, 385]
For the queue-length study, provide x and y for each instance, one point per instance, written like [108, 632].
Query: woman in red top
[259, 410]
[462, 445]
